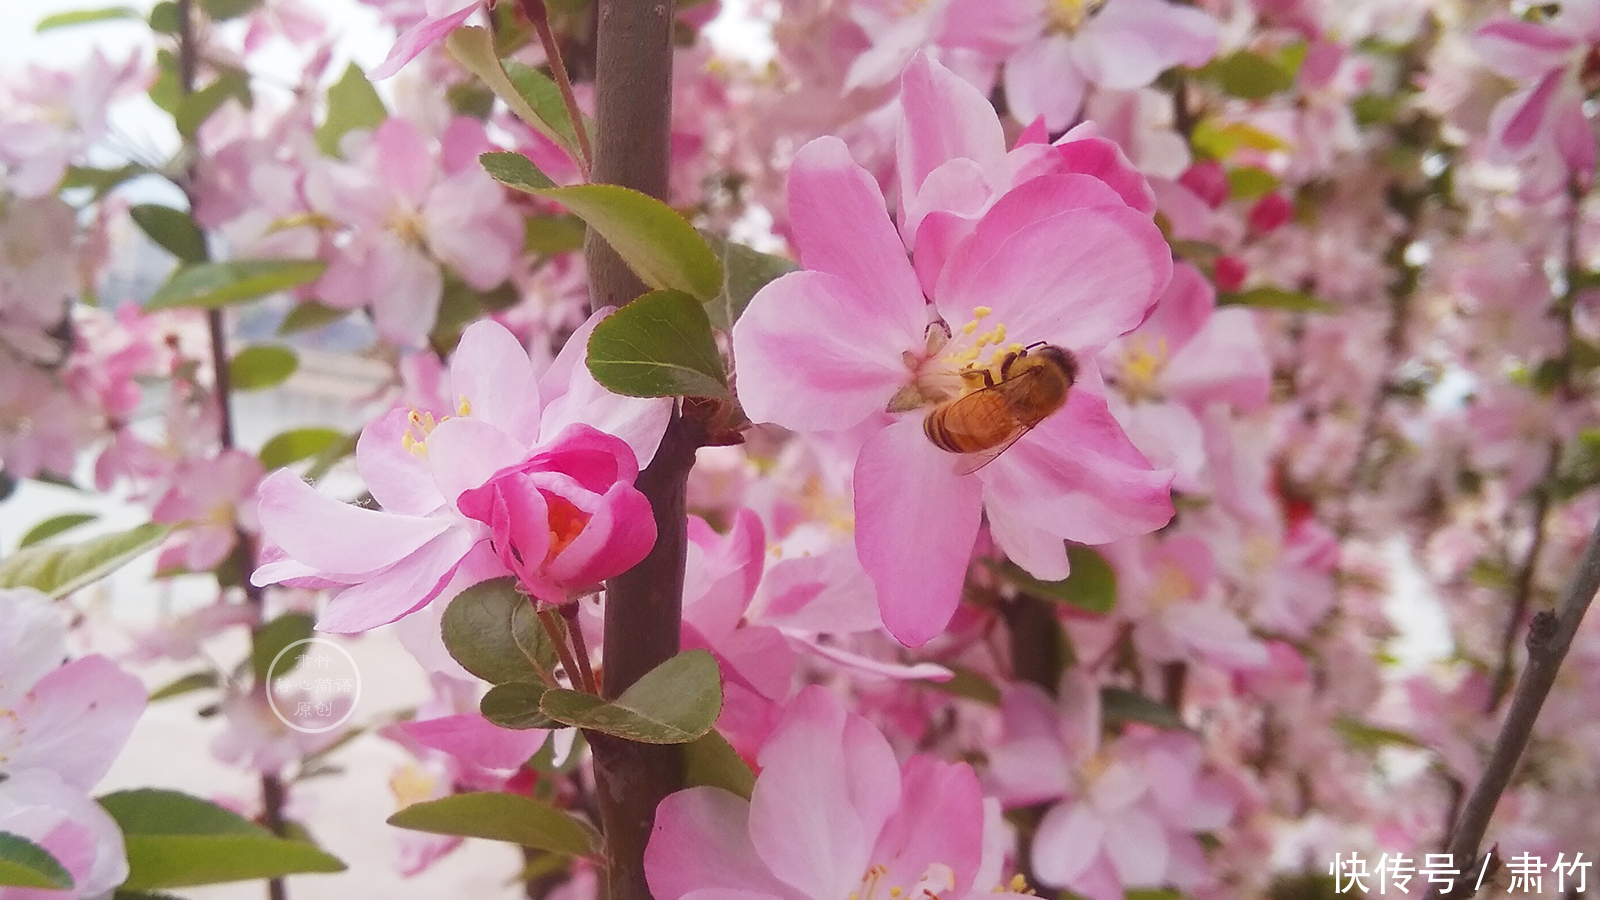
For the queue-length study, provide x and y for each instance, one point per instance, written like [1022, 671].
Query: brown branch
[1549, 637]
[540, 17]
[633, 111]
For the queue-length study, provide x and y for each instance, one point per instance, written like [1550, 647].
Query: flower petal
[1067, 841]
[76, 719]
[397, 478]
[399, 590]
[489, 370]
[687, 825]
[1130, 42]
[1043, 80]
[942, 118]
[464, 453]
[333, 537]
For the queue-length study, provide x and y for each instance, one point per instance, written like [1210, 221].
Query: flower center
[421, 424]
[566, 523]
[938, 879]
[1171, 586]
[412, 785]
[407, 225]
[1067, 16]
[1142, 365]
[954, 363]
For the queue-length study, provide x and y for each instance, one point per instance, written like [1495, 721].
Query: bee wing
[968, 463]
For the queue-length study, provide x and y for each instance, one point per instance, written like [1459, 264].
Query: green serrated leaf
[272, 638]
[173, 229]
[1091, 586]
[659, 245]
[492, 630]
[353, 104]
[674, 703]
[175, 840]
[55, 525]
[1247, 75]
[744, 272]
[543, 96]
[711, 761]
[529, 95]
[1119, 705]
[549, 235]
[101, 181]
[86, 16]
[195, 108]
[310, 315]
[211, 285]
[1276, 298]
[59, 569]
[297, 444]
[26, 864]
[660, 345]
[515, 705]
[501, 817]
[194, 681]
[261, 367]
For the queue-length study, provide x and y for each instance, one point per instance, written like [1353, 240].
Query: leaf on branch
[496, 816]
[674, 703]
[493, 631]
[660, 345]
[212, 285]
[1221, 140]
[175, 840]
[711, 761]
[58, 570]
[1091, 586]
[297, 444]
[534, 98]
[86, 16]
[273, 638]
[310, 315]
[1275, 298]
[353, 104]
[261, 367]
[173, 229]
[194, 681]
[194, 109]
[515, 705]
[660, 246]
[744, 272]
[1247, 75]
[1119, 705]
[53, 526]
[26, 864]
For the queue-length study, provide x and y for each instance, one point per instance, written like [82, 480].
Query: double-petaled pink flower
[513, 479]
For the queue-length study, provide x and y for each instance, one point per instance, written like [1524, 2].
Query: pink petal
[692, 822]
[1068, 840]
[76, 719]
[405, 165]
[416, 39]
[399, 590]
[405, 304]
[591, 458]
[1529, 109]
[722, 573]
[1078, 477]
[1227, 362]
[1042, 554]
[828, 783]
[1521, 50]
[940, 821]
[334, 537]
[638, 421]
[397, 478]
[1043, 80]
[943, 118]
[1130, 42]
[1104, 160]
[1137, 845]
[617, 537]
[474, 740]
[869, 668]
[841, 226]
[1076, 279]
[490, 372]
[1183, 310]
[813, 353]
[903, 481]
[464, 453]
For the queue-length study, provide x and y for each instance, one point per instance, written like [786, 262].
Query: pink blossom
[513, 479]
[1557, 65]
[440, 18]
[1061, 259]
[38, 805]
[832, 814]
[208, 497]
[52, 116]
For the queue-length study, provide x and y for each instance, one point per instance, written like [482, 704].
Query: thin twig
[1549, 637]
[552, 627]
[540, 17]
[580, 647]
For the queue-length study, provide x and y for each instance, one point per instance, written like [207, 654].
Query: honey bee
[980, 425]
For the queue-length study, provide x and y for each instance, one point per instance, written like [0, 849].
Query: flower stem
[540, 17]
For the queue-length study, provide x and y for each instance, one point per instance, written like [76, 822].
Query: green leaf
[659, 245]
[1276, 298]
[549, 235]
[492, 630]
[1221, 140]
[1362, 736]
[258, 368]
[1247, 75]
[1119, 705]
[353, 104]
[744, 272]
[711, 761]
[223, 10]
[195, 108]
[53, 526]
[660, 345]
[515, 705]
[173, 229]
[969, 684]
[1251, 183]
[297, 444]
[272, 638]
[1091, 586]
[674, 703]
[26, 864]
[529, 95]
[498, 816]
[59, 569]
[101, 181]
[175, 840]
[85, 16]
[163, 17]
[325, 458]
[194, 681]
[309, 315]
[210, 285]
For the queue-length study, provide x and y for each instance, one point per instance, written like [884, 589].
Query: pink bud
[1208, 180]
[1230, 273]
[1270, 212]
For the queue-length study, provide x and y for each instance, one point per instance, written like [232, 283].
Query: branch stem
[540, 17]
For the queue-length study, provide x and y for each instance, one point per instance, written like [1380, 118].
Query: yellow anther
[1018, 883]
[464, 408]
[1015, 347]
[979, 312]
[895, 892]
[970, 327]
[999, 333]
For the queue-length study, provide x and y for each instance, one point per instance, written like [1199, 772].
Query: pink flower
[1056, 49]
[1558, 65]
[442, 17]
[1061, 259]
[832, 815]
[38, 805]
[515, 479]
[207, 497]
